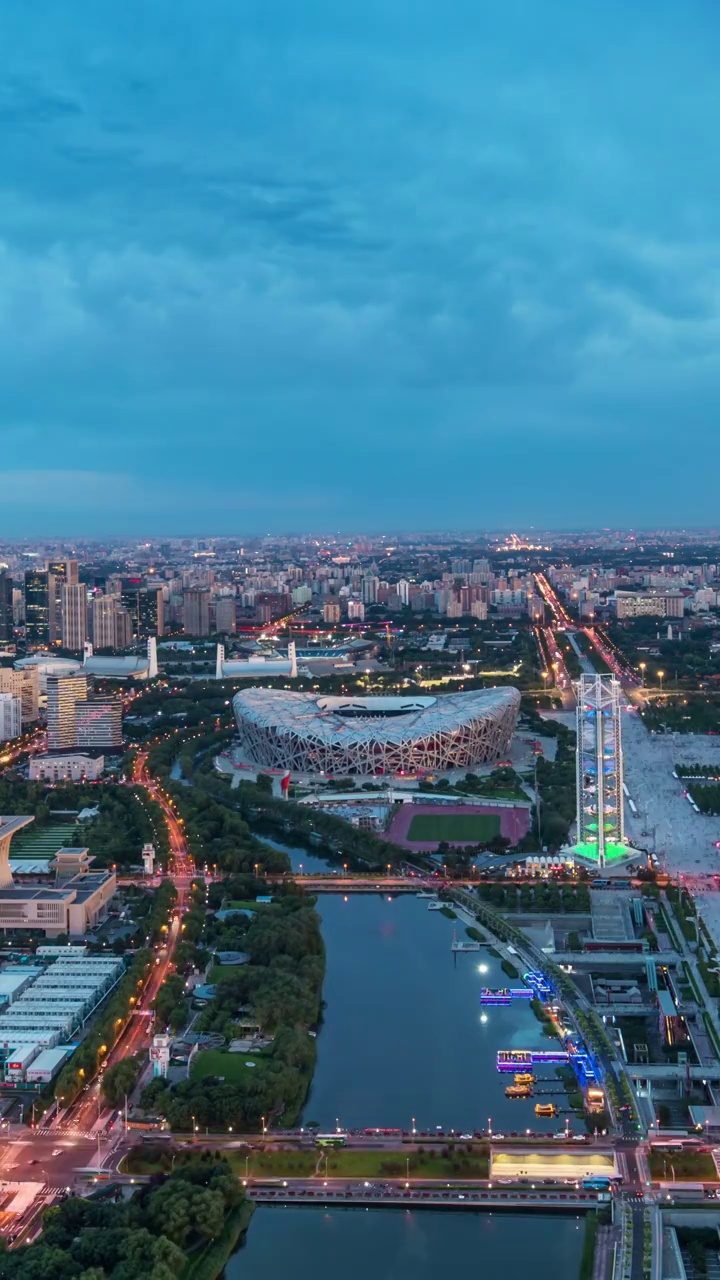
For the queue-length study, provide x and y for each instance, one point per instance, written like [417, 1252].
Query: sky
[272, 265]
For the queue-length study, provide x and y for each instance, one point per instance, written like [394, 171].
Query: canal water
[388, 1244]
[404, 1037]
[301, 860]
[404, 1033]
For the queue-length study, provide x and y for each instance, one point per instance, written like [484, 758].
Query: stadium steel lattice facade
[376, 735]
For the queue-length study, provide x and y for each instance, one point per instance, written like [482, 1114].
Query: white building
[10, 717]
[73, 767]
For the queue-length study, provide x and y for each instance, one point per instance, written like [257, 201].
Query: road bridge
[454, 1197]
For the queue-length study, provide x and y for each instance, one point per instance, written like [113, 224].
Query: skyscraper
[38, 584]
[63, 692]
[600, 826]
[104, 630]
[74, 615]
[196, 612]
[6, 607]
[64, 573]
[225, 616]
[145, 606]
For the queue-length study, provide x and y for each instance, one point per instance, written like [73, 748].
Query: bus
[596, 1184]
[331, 1139]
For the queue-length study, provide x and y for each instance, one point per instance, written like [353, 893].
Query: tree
[119, 1080]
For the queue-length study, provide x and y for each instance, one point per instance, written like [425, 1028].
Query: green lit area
[613, 852]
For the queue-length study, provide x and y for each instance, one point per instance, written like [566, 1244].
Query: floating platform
[521, 1059]
[518, 1091]
[504, 995]
[545, 1109]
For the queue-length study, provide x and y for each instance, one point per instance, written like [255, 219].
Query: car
[57, 1152]
[580, 1137]
[560, 1137]
[497, 1137]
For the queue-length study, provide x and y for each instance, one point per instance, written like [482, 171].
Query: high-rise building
[123, 628]
[104, 626]
[63, 693]
[25, 685]
[6, 607]
[196, 612]
[370, 586]
[599, 768]
[356, 610]
[331, 612]
[145, 606]
[38, 586]
[74, 615]
[10, 717]
[403, 590]
[98, 724]
[225, 616]
[64, 573]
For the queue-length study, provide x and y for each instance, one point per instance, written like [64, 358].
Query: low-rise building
[76, 766]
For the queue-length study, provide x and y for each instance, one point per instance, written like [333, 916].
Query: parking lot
[673, 827]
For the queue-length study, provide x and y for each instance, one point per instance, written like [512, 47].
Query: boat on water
[518, 1091]
[465, 946]
[426, 893]
[435, 906]
[545, 1109]
[524, 1077]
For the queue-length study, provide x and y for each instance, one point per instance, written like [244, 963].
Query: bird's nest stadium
[376, 735]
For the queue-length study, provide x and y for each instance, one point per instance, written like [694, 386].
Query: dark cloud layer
[390, 264]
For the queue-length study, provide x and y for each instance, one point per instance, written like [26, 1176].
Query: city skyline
[330, 271]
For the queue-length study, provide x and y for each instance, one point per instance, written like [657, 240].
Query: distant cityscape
[209, 747]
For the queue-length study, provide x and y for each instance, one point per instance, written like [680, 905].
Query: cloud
[258, 248]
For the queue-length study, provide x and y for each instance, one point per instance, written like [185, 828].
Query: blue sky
[394, 264]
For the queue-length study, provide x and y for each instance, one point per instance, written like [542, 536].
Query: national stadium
[376, 735]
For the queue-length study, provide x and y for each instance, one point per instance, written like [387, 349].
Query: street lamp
[642, 673]
[661, 675]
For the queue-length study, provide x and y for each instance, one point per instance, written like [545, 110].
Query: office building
[196, 612]
[38, 587]
[356, 610]
[25, 685]
[331, 613]
[146, 608]
[104, 626]
[7, 625]
[10, 717]
[98, 724]
[599, 770]
[63, 573]
[74, 615]
[78, 900]
[225, 615]
[64, 693]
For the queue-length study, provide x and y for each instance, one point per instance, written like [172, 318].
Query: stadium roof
[356, 718]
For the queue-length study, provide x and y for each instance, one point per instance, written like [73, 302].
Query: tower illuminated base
[612, 854]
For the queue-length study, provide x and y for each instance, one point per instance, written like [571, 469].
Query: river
[397, 1244]
[404, 1032]
[404, 1037]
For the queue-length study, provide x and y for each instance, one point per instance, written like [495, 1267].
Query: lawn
[464, 828]
[215, 1062]
[688, 1166]
[393, 1164]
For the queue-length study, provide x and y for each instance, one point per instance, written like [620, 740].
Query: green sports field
[462, 828]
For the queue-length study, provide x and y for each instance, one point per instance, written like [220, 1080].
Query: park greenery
[279, 989]
[683, 713]
[706, 796]
[706, 772]
[169, 1228]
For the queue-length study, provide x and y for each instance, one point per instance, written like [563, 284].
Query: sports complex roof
[304, 733]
